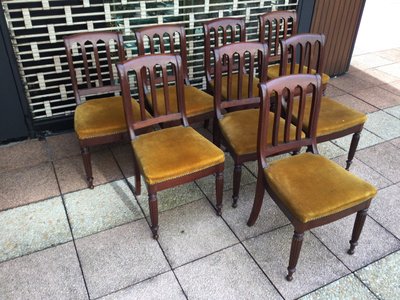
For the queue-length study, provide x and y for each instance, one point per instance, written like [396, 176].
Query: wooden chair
[171, 156]
[171, 38]
[335, 119]
[275, 26]
[237, 128]
[100, 120]
[310, 189]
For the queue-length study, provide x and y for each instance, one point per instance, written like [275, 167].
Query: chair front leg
[153, 206]
[219, 186]
[358, 226]
[258, 201]
[297, 242]
[237, 175]
[88, 166]
[353, 147]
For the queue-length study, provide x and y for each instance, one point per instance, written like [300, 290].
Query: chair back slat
[148, 71]
[283, 91]
[274, 26]
[95, 75]
[249, 56]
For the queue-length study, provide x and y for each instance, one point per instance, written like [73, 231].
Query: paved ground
[60, 240]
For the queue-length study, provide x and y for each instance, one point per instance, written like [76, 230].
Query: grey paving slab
[367, 61]
[350, 82]
[63, 145]
[367, 139]
[164, 286]
[329, 150]
[270, 216]
[169, 198]
[119, 257]
[228, 274]
[379, 76]
[349, 287]
[394, 111]
[123, 153]
[384, 125]
[27, 185]
[33, 227]
[49, 274]
[393, 87]
[390, 54]
[382, 277]
[385, 209]
[383, 158]
[392, 69]
[316, 267]
[374, 243]
[365, 172]
[378, 97]
[396, 142]
[193, 231]
[101, 208]
[332, 91]
[355, 103]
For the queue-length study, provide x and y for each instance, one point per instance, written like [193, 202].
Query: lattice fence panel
[38, 26]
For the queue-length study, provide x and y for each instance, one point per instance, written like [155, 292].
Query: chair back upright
[274, 26]
[220, 32]
[283, 91]
[237, 63]
[169, 38]
[91, 60]
[302, 53]
[152, 72]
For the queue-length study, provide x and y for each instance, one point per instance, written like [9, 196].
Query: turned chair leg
[138, 185]
[216, 134]
[297, 241]
[258, 201]
[237, 175]
[153, 215]
[219, 186]
[358, 226]
[88, 166]
[353, 147]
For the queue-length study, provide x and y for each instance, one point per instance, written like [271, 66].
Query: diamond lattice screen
[38, 26]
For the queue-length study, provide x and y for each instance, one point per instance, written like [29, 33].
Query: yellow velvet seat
[240, 129]
[235, 83]
[273, 72]
[311, 186]
[333, 116]
[174, 152]
[102, 117]
[197, 102]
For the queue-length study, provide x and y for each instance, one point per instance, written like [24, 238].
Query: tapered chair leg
[219, 186]
[153, 215]
[358, 226]
[88, 166]
[216, 134]
[206, 123]
[353, 147]
[297, 241]
[138, 185]
[258, 200]
[237, 175]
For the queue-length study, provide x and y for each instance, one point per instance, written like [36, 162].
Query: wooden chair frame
[278, 89]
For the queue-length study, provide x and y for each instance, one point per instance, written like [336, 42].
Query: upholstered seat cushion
[240, 129]
[273, 72]
[197, 102]
[235, 83]
[333, 116]
[102, 117]
[311, 186]
[174, 152]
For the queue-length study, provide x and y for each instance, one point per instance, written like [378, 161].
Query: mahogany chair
[335, 119]
[99, 120]
[171, 38]
[237, 128]
[170, 156]
[310, 189]
[275, 26]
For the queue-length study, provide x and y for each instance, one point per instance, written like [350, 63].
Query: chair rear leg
[258, 201]
[216, 134]
[353, 148]
[358, 226]
[88, 166]
[153, 206]
[237, 175]
[206, 123]
[297, 242]
[138, 186]
[219, 186]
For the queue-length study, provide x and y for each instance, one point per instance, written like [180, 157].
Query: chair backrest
[169, 38]
[145, 72]
[91, 58]
[302, 53]
[283, 91]
[274, 26]
[219, 32]
[237, 63]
